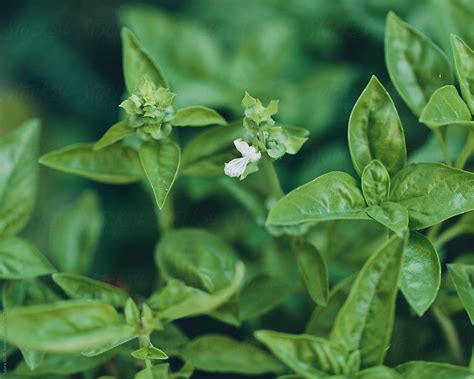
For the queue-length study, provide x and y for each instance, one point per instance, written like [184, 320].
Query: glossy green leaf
[464, 63]
[64, 327]
[322, 319]
[378, 372]
[453, 17]
[433, 370]
[32, 358]
[463, 278]
[332, 196]
[365, 320]
[416, 65]
[310, 356]
[19, 178]
[375, 183]
[19, 259]
[75, 233]
[261, 295]
[81, 287]
[114, 134]
[445, 107]
[392, 215]
[314, 272]
[375, 130]
[149, 352]
[421, 273]
[155, 372]
[138, 62]
[160, 160]
[197, 116]
[177, 300]
[122, 334]
[206, 153]
[196, 257]
[62, 364]
[219, 353]
[114, 164]
[432, 192]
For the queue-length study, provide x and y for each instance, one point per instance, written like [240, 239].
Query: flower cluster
[262, 135]
[150, 110]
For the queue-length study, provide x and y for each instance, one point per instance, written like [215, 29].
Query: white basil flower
[236, 167]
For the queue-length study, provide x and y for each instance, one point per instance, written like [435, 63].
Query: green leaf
[463, 278]
[62, 364]
[206, 153]
[196, 257]
[149, 352]
[392, 215]
[421, 273]
[75, 233]
[416, 65]
[261, 295]
[366, 319]
[131, 312]
[27, 292]
[64, 327]
[160, 160]
[332, 196]
[322, 319]
[464, 63]
[123, 334]
[81, 287]
[375, 130]
[375, 183]
[32, 358]
[432, 192]
[433, 370]
[307, 355]
[197, 116]
[114, 164]
[137, 62]
[313, 269]
[19, 180]
[177, 300]
[444, 108]
[19, 259]
[155, 372]
[114, 134]
[219, 353]
[378, 372]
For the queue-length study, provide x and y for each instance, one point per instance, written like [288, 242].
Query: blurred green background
[61, 61]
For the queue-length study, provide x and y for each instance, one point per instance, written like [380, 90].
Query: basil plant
[59, 321]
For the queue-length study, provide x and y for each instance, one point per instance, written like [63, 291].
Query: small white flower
[236, 167]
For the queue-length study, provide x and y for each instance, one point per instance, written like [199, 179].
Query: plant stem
[166, 215]
[450, 334]
[466, 152]
[442, 144]
[448, 235]
[145, 341]
[272, 177]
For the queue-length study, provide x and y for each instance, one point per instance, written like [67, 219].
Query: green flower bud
[150, 110]
[256, 115]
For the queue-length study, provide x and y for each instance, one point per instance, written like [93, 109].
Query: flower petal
[236, 167]
[246, 150]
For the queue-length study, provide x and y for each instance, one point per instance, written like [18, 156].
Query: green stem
[166, 215]
[466, 152]
[272, 177]
[145, 341]
[444, 147]
[449, 234]
[433, 231]
[450, 334]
